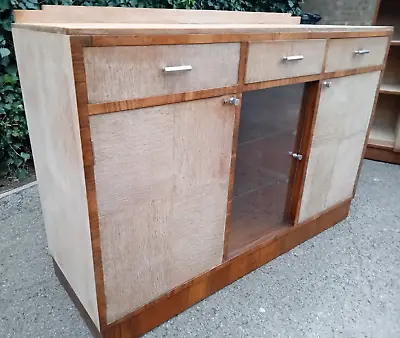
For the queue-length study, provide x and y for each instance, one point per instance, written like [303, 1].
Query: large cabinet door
[341, 125]
[162, 183]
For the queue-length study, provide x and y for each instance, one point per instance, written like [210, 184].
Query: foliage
[14, 142]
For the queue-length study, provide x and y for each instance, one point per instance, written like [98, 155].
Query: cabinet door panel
[340, 129]
[162, 183]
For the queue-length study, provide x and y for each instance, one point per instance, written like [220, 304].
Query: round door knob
[298, 157]
[232, 100]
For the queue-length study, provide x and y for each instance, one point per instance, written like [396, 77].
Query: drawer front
[283, 59]
[355, 53]
[126, 73]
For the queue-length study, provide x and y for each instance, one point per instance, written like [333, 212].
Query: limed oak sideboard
[173, 159]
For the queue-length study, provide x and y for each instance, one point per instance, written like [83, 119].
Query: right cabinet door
[341, 125]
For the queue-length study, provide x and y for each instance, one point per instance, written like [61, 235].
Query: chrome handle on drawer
[361, 52]
[177, 69]
[293, 58]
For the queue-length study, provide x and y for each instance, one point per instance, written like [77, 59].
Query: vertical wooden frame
[311, 110]
[302, 145]
[77, 44]
[244, 46]
[376, 12]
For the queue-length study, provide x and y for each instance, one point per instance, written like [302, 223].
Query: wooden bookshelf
[384, 138]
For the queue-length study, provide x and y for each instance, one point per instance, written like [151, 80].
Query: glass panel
[267, 133]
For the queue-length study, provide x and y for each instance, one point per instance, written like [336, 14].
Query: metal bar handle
[177, 69]
[361, 52]
[293, 58]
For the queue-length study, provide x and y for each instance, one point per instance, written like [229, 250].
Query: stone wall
[347, 12]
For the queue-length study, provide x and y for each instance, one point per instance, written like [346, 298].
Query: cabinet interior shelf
[385, 124]
[387, 88]
[391, 79]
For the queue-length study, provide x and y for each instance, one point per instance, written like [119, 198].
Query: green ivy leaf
[4, 52]
[25, 156]
[21, 173]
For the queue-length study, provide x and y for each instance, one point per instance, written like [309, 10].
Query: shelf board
[390, 89]
[384, 124]
[382, 137]
[381, 144]
[395, 43]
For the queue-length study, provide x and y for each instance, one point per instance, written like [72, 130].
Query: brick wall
[349, 12]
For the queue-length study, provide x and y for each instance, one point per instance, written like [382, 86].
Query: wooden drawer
[355, 53]
[267, 60]
[125, 73]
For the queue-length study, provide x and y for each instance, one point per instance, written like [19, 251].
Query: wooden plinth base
[382, 155]
[71, 293]
[165, 307]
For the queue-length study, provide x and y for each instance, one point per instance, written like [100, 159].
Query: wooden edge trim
[281, 82]
[305, 146]
[376, 12]
[241, 74]
[388, 91]
[314, 93]
[382, 155]
[77, 44]
[328, 42]
[184, 296]
[71, 293]
[348, 72]
[117, 106]
[177, 39]
[304, 135]
[112, 107]
[371, 117]
[244, 47]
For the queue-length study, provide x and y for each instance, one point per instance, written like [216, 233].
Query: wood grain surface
[90, 14]
[45, 68]
[237, 32]
[179, 299]
[341, 53]
[125, 73]
[265, 59]
[162, 219]
[338, 142]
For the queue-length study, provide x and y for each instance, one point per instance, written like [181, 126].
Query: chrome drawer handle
[293, 58]
[361, 52]
[177, 69]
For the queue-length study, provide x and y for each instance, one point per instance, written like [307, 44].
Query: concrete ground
[343, 283]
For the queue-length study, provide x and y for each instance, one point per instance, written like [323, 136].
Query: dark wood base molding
[71, 293]
[382, 155]
[165, 307]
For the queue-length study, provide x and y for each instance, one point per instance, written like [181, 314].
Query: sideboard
[173, 159]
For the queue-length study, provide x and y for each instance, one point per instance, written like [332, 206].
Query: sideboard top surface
[165, 29]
